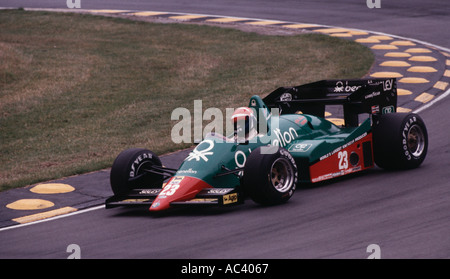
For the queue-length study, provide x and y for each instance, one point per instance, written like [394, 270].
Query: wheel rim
[416, 140]
[282, 175]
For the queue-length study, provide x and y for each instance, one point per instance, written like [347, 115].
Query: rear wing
[357, 96]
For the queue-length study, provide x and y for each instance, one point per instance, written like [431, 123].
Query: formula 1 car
[278, 142]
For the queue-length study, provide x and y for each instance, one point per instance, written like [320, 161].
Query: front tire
[400, 141]
[270, 179]
[128, 171]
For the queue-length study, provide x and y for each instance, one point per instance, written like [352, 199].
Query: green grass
[75, 90]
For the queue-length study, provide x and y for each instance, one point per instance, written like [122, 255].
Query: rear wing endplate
[372, 96]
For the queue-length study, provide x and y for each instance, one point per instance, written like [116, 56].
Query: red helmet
[245, 122]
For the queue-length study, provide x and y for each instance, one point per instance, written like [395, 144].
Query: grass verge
[75, 90]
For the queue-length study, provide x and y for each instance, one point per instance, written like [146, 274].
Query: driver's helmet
[244, 121]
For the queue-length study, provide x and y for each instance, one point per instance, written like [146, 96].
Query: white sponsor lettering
[200, 153]
[343, 160]
[284, 138]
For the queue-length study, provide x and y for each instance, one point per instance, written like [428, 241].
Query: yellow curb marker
[397, 54]
[403, 92]
[332, 30]
[37, 204]
[403, 43]
[52, 188]
[386, 75]
[342, 35]
[395, 64]
[359, 33]
[263, 22]
[441, 85]
[424, 97]
[225, 19]
[367, 40]
[388, 47]
[413, 80]
[418, 50]
[400, 109]
[422, 59]
[147, 13]
[44, 215]
[299, 26]
[447, 73]
[381, 38]
[422, 69]
[187, 17]
[30, 204]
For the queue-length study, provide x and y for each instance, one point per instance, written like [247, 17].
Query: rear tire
[130, 164]
[270, 179]
[400, 141]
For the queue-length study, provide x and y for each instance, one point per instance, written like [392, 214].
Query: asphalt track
[405, 213]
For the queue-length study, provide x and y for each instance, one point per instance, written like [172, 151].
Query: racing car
[278, 142]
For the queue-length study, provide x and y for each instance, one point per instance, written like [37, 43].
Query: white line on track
[424, 107]
[54, 218]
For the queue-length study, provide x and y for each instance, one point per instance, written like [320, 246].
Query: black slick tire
[128, 173]
[270, 175]
[400, 141]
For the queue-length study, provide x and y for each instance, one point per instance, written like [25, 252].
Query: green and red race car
[278, 142]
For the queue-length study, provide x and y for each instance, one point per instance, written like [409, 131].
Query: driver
[244, 121]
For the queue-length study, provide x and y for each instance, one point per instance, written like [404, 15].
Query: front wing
[208, 196]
